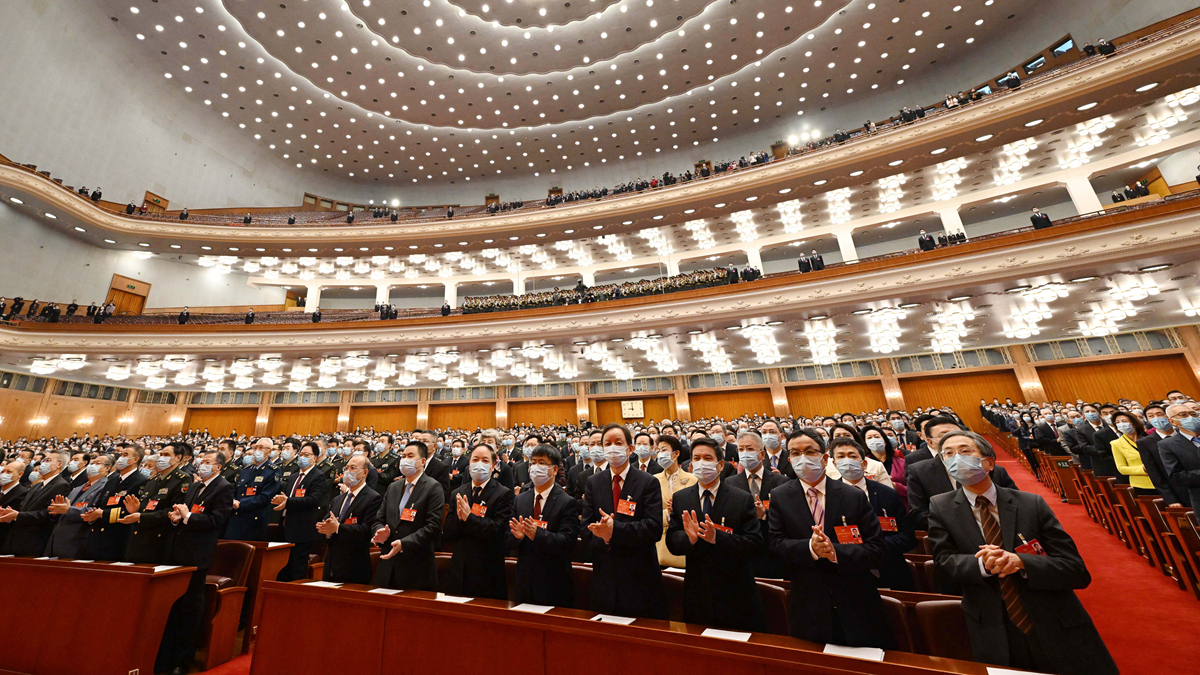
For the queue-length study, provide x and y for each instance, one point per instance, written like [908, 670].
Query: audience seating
[775, 606]
[225, 591]
[944, 627]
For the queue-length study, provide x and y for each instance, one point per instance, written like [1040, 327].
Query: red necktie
[616, 490]
[537, 507]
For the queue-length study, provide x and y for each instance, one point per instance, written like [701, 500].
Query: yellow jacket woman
[1125, 452]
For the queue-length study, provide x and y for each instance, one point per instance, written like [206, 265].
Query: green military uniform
[150, 538]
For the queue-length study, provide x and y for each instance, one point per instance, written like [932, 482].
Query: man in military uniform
[108, 537]
[287, 467]
[151, 532]
[256, 485]
[385, 460]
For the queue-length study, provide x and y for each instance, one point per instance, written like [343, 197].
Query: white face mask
[539, 474]
[705, 471]
[616, 455]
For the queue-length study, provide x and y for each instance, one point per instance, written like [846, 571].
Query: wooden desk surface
[115, 615]
[412, 632]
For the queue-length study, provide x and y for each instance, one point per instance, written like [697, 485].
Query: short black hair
[935, 421]
[181, 449]
[218, 455]
[708, 443]
[843, 442]
[294, 441]
[848, 429]
[624, 430]
[422, 449]
[675, 443]
[480, 445]
[549, 452]
[316, 447]
[640, 434]
[807, 432]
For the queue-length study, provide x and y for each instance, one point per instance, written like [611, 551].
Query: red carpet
[1151, 627]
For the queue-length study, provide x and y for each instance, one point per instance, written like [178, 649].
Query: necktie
[537, 507]
[616, 490]
[753, 484]
[404, 497]
[707, 504]
[299, 479]
[475, 494]
[814, 505]
[1008, 587]
[345, 507]
[774, 462]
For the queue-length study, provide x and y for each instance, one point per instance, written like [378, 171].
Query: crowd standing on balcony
[584, 294]
[831, 503]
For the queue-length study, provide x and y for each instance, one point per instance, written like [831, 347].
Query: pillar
[1027, 375]
[383, 294]
[754, 258]
[343, 418]
[589, 277]
[263, 417]
[502, 406]
[846, 246]
[778, 393]
[517, 287]
[422, 407]
[582, 409]
[1083, 195]
[683, 408]
[672, 266]
[312, 298]
[1191, 346]
[891, 385]
[951, 222]
[452, 294]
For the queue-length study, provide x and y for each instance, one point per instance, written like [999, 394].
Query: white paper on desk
[453, 598]
[277, 544]
[676, 570]
[323, 584]
[1006, 671]
[726, 634]
[609, 618]
[868, 653]
[83, 561]
[45, 557]
[7, 556]
[384, 591]
[122, 564]
[164, 568]
[535, 609]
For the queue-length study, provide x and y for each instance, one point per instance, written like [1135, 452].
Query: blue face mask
[93, 470]
[749, 460]
[204, 471]
[145, 471]
[258, 456]
[597, 453]
[1161, 423]
[247, 460]
[164, 463]
[807, 469]
[304, 461]
[479, 471]
[664, 460]
[1125, 427]
[1092, 417]
[508, 442]
[966, 469]
[851, 469]
[122, 462]
[1192, 424]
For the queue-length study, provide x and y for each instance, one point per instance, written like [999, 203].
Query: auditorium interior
[272, 271]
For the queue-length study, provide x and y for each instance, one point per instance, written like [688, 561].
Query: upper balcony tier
[1139, 73]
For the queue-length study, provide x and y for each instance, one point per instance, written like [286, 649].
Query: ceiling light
[1155, 268]
[960, 298]
[1087, 106]
[1146, 87]
[1080, 280]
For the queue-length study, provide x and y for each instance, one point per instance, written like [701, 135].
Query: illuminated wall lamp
[39, 421]
[85, 420]
[125, 420]
[343, 418]
[176, 420]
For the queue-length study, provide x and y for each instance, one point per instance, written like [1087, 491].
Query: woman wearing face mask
[884, 451]
[671, 479]
[1126, 455]
[626, 578]
[1024, 432]
[876, 471]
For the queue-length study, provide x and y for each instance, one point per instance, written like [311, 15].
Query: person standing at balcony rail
[1040, 220]
[817, 261]
[926, 242]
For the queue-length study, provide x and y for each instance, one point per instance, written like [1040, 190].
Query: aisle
[1150, 626]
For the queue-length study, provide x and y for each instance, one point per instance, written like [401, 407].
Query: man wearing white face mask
[256, 486]
[70, 533]
[349, 526]
[409, 524]
[149, 514]
[109, 536]
[300, 502]
[644, 450]
[828, 540]
[592, 455]
[12, 493]
[544, 529]
[32, 522]
[775, 458]
[1017, 568]
[478, 524]
[756, 479]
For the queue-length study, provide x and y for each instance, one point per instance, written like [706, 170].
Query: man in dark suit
[349, 527]
[804, 264]
[1040, 220]
[316, 316]
[926, 242]
[543, 530]
[478, 525]
[643, 450]
[716, 527]
[1047, 437]
[1181, 452]
[32, 522]
[593, 457]
[409, 525]
[622, 511]
[70, 533]
[12, 493]
[1147, 447]
[76, 473]
[256, 487]
[1100, 435]
[817, 261]
[109, 536]
[457, 464]
[434, 467]
[300, 503]
[929, 478]
[932, 427]
[148, 516]
[197, 520]
[1017, 567]
[828, 540]
[898, 534]
[758, 480]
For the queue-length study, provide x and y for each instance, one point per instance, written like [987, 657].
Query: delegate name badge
[540, 523]
[848, 534]
[300, 492]
[251, 490]
[408, 515]
[766, 504]
[1032, 547]
[197, 508]
[353, 520]
[479, 510]
[151, 504]
[726, 530]
[888, 524]
[113, 501]
[626, 507]
[80, 505]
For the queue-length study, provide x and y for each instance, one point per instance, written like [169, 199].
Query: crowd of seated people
[832, 503]
[585, 294]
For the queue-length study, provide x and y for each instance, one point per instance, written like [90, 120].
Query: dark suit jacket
[804, 264]
[719, 588]
[1040, 221]
[477, 565]
[195, 542]
[894, 573]
[1151, 459]
[1046, 438]
[414, 567]
[1181, 461]
[348, 553]
[71, 531]
[29, 533]
[301, 514]
[11, 500]
[929, 478]
[926, 242]
[765, 564]
[1100, 442]
[830, 602]
[150, 537]
[544, 574]
[439, 471]
[520, 472]
[818, 262]
[108, 538]
[577, 477]
[652, 466]
[1046, 586]
[626, 578]
[458, 470]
